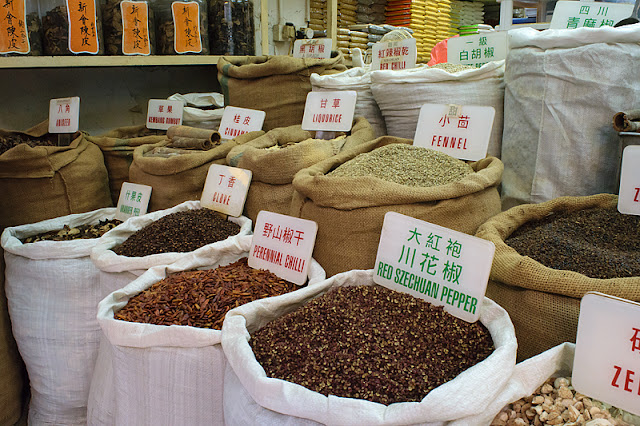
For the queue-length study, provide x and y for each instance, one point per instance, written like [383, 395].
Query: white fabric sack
[169, 375]
[358, 79]
[202, 118]
[117, 271]
[562, 89]
[53, 293]
[401, 94]
[254, 398]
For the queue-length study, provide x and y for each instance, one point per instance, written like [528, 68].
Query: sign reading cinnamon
[186, 22]
[135, 28]
[13, 27]
[83, 35]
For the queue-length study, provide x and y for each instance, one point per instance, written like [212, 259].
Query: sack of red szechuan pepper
[586, 245]
[174, 374]
[468, 370]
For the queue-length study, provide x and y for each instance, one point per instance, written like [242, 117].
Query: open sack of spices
[277, 85]
[401, 94]
[163, 359]
[53, 292]
[549, 255]
[161, 238]
[275, 157]
[44, 180]
[348, 351]
[177, 167]
[348, 195]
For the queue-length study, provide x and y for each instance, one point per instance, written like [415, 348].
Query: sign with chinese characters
[186, 24]
[442, 266]
[283, 245]
[135, 27]
[461, 131]
[237, 121]
[64, 115]
[589, 14]
[319, 48]
[606, 365]
[13, 27]
[629, 194]
[133, 201]
[394, 55]
[225, 189]
[162, 114]
[329, 111]
[83, 36]
[477, 49]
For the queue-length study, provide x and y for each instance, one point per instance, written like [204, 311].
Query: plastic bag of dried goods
[165, 374]
[277, 156]
[358, 79]
[250, 397]
[53, 292]
[401, 94]
[202, 110]
[116, 271]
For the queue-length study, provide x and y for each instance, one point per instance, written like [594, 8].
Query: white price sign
[133, 201]
[329, 111]
[461, 131]
[590, 14]
[477, 49]
[238, 121]
[442, 266]
[64, 115]
[629, 194]
[162, 114]
[394, 55]
[283, 245]
[225, 189]
[606, 365]
[319, 48]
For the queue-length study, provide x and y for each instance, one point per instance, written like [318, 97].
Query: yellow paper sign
[186, 22]
[83, 35]
[135, 28]
[13, 28]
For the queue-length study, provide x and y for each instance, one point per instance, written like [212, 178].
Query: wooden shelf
[105, 61]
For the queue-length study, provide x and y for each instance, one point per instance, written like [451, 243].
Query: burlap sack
[349, 211]
[179, 178]
[544, 303]
[277, 85]
[273, 169]
[44, 182]
[117, 148]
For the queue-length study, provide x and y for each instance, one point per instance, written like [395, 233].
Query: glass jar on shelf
[76, 30]
[182, 27]
[129, 27]
[231, 27]
[20, 29]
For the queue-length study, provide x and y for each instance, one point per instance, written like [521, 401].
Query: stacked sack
[318, 15]
[466, 13]
[347, 13]
[411, 16]
[401, 94]
[371, 11]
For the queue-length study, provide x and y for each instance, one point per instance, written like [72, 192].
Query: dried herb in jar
[55, 32]
[202, 298]
[165, 33]
[231, 27]
[113, 29]
[76, 233]
[372, 343]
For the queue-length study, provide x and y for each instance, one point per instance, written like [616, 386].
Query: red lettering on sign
[615, 377]
[636, 197]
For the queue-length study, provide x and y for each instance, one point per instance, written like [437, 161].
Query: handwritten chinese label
[13, 27]
[588, 14]
[135, 28]
[442, 266]
[225, 189]
[64, 115]
[319, 48]
[133, 200]
[478, 49]
[283, 245]
[238, 121]
[329, 111]
[629, 194]
[606, 365]
[462, 131]
[83, 36]
[162, 113]
[186, 22]
[394, 55]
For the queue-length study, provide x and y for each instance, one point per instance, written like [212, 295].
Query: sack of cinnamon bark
[549, 255]
[277, 85]
[275, 157]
